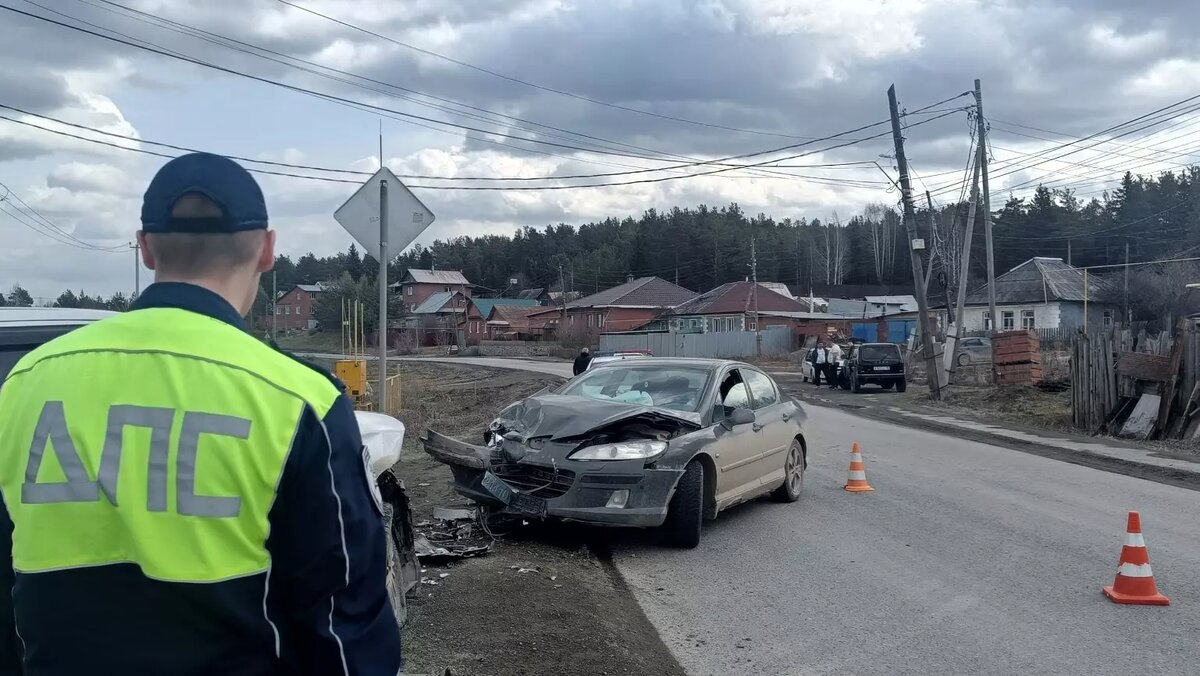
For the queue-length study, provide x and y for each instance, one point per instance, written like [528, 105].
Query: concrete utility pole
[910, 226]
[274, 310]
[965, 264]
[137, 270]
[562, 299]
[987, 207]
[383, 290]
[754, 277]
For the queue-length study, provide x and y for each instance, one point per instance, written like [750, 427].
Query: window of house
[987, 320]
[1027, 320]
[408, 290]
[1008, 320]
[1108, 318]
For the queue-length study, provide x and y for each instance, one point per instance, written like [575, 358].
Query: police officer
[180, 498]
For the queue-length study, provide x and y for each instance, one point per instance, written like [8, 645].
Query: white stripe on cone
[858, 475]
[1134, 540]
[1134, 570]
[856, 457]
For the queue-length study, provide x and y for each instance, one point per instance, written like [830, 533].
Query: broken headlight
[622, 450]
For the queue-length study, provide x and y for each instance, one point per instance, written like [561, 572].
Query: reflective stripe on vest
[157, 437]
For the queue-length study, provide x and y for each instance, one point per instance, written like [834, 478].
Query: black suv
[874, 364]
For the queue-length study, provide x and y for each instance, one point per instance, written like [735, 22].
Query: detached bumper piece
[548, 485]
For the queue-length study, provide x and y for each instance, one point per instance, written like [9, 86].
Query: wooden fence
[1146, 384]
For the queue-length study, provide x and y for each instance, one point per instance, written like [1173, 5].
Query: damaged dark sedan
[647, 443]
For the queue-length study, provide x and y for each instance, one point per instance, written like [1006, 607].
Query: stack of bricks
[1017, 356]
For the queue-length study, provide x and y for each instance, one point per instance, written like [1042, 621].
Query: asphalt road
[968, 559]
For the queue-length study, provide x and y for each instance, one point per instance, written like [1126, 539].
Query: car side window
[732, 395]
[762, 390]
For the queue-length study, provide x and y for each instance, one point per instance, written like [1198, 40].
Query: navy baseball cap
[220, 179]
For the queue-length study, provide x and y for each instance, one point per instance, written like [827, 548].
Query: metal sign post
[383, 294]
[383, 201]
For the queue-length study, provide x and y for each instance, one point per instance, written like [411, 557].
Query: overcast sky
[740, 76]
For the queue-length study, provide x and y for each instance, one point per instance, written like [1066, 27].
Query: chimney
[628, 278]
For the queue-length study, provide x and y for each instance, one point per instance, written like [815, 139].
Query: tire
[964, 359]
[855, 387]
[685, 513]
[901, 385]
[793, 475]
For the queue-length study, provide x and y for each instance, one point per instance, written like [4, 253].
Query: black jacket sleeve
[326, 591]
[10, 644]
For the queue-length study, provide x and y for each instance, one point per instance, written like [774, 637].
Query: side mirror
[740, 416]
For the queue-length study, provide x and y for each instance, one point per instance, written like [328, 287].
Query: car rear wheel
[685, 514]
[793, 475]
[964, 359]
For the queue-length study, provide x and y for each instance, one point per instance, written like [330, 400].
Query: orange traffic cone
[857, 483]
[1135, 582]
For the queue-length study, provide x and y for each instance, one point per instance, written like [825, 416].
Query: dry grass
[1013, 404]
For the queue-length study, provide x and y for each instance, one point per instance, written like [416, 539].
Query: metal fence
[707, 345]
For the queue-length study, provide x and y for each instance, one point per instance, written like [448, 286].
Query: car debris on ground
[454, 533]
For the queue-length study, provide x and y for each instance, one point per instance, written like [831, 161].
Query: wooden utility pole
[910, 226]
[965, 263]
[754, 277]
[137, 271]
[987, 207]
[274, 310]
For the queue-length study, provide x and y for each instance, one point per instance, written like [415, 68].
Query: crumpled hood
[564, 416]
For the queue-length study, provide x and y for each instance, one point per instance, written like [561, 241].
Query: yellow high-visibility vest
[156, 437]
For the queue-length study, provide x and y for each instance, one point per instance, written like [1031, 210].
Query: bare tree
[1159, 293]
[883, 224]
[833, 250]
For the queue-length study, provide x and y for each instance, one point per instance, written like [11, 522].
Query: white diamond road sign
[407, 216]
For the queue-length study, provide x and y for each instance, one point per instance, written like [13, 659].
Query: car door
[772, 433]
[735, 448]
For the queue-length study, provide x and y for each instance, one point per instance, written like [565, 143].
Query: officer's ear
[266, 258]
[147, 252]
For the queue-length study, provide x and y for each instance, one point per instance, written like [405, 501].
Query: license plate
[883, 368]
[497, 488]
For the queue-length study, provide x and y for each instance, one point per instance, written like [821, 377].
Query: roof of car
[49, 316]
[684, 361]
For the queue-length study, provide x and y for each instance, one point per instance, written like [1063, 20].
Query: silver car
[646, 442]
[975, 350]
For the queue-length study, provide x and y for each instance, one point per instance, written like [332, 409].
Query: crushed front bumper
[546, 484]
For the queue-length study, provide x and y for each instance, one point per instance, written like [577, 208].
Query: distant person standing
[582, 361]
[834, 357]
[820, 359]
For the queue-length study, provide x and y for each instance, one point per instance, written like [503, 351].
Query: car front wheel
[964, 359]
[901, 385]
[685, 513]
[793, 475]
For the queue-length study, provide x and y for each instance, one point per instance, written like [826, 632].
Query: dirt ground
[546, 601]
[1026, 405]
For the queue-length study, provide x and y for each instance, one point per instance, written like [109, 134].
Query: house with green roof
[475, 323]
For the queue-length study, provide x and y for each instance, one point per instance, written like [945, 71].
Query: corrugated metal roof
[892, 300]
[737, 298]
[437, 277]
[311, 288]
[845, 307]
[1038, 280]
[434, 303]
[485, 305]
[650, 292]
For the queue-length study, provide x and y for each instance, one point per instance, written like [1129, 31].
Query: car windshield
[673, 387]
[879, 352]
